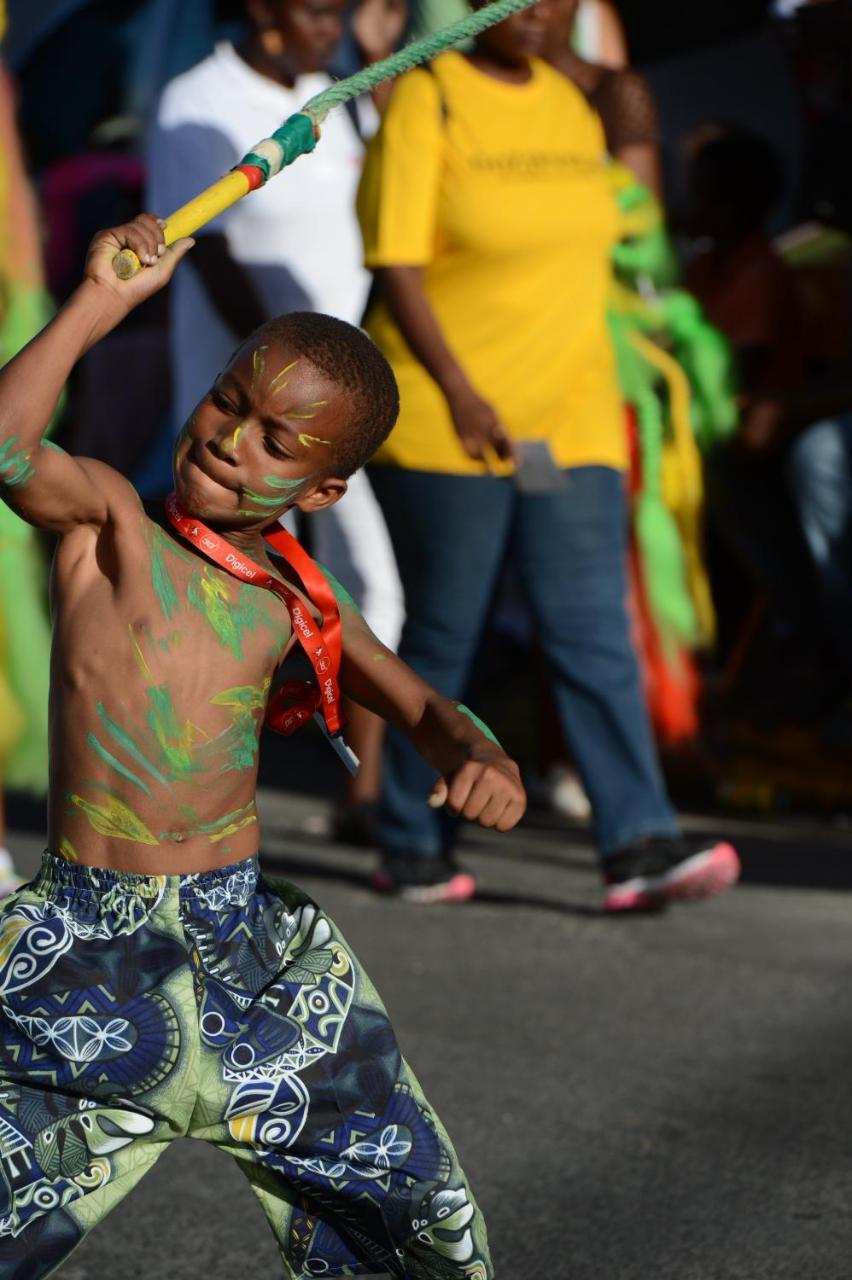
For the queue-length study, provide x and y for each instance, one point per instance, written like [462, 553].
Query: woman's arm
[478, 426]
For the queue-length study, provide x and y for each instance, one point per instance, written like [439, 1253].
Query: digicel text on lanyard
[297, 700]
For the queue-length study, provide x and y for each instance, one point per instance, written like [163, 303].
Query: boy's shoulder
[125, 512]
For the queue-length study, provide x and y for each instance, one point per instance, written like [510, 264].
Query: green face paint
[284, 488]
[261, 504]
[54, 448]
[16, 466]
[285, 484]
[480, 724]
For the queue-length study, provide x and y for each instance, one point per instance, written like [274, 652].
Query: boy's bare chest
[193, 607]
[168, 616]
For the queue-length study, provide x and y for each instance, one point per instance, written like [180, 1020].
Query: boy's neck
[249, 540]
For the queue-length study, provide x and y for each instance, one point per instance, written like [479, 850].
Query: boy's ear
[325, 494]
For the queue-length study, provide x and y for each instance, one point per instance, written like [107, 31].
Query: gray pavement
[660, 1098]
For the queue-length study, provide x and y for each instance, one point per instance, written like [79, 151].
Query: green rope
[296, 136]
[411, 56]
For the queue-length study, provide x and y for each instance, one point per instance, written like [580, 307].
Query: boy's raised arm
[478, 780]
[41, 483]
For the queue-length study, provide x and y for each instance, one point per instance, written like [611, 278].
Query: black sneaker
[659, 869]
[425, 880]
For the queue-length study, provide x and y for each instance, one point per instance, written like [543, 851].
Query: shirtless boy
[152, 983]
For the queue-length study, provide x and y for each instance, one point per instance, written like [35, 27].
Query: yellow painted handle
[187, 220]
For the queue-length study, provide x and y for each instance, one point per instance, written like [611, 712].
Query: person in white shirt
[295, 245]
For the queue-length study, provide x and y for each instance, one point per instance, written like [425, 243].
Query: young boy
[152, 983]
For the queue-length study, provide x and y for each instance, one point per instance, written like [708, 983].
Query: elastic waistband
[231, 885]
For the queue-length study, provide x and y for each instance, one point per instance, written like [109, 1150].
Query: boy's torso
[161, 671]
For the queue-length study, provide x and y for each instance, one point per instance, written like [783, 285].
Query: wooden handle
[125, 264]
[186, 220]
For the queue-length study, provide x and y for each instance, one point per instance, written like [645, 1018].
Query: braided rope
[297, 136]
[411, 56]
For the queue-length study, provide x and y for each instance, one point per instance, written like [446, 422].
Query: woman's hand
[479, 428]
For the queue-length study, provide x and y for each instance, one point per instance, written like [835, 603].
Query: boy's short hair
[347, 356]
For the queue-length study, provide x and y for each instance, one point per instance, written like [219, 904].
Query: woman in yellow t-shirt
[488, 216]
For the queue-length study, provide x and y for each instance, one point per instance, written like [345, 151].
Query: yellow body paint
[115, 819]
[302, 411]
[67, 850]
[232, 827]
[276, 384]
[139, 655]
[258, 364]
[230, 446]
[307, 441]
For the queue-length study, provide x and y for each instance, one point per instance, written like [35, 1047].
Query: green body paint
[174, 741]
[116, 764]
[221, 827]
[229, 824]
[54, 448]
[124, 740]
[171, 641]
[247, 704]
[341, 595]
[164, 587]
[230, 620]
[16, 466]
[480, 724]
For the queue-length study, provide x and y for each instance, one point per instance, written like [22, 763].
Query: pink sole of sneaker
[705, 875]
[461, 888]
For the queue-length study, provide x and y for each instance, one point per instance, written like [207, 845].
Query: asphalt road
[659, 1098]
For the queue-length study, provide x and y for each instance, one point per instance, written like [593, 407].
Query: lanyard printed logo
[296, 701]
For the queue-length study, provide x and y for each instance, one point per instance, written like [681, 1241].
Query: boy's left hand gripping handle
[187, 220]
[125, 264]
[297, 136]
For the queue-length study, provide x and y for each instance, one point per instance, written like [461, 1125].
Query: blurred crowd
[621, 383]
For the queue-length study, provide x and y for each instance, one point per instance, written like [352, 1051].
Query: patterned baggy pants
[138, 1009]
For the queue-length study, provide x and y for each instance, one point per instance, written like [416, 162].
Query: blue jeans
[819, 472]
[451, 535]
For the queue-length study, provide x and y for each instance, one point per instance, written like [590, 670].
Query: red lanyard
[323, 646]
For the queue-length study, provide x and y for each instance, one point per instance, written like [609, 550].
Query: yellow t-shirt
[501, 193]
